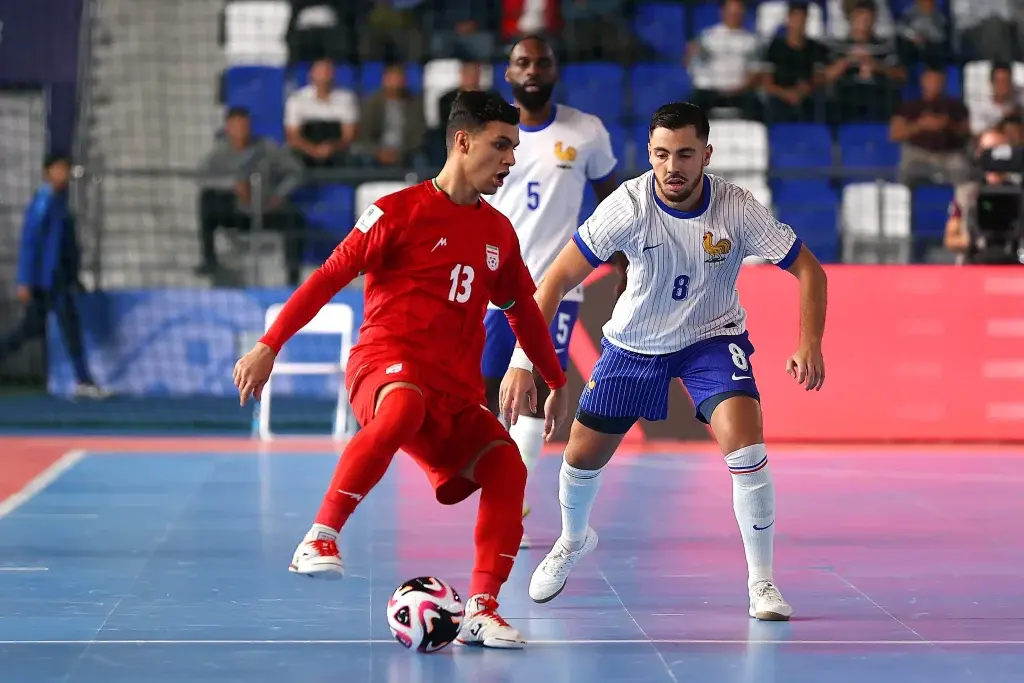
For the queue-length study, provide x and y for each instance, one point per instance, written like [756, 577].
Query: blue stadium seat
[929, 207]
[652, 85]
[595, 87]
[260, 89]
[811, 208]
[371, 73]
[662, 26]
[501, 85]
[344, 76]
[620, 143]
[867, 145]
[800, 145]
[330, 211]
[912, 89]
[588, 205]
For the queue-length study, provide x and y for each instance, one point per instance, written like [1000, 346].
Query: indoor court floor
[159, 560]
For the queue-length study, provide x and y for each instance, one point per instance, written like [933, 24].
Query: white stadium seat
[740, 149]
[441, 76]
[368, 193]
[254, 32]
[876, 216]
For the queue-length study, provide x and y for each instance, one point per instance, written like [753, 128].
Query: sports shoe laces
[487, 607]
[765, 589]
[560, 562]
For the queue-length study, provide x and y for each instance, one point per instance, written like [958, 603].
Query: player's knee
[736, 423]
[504, 467]
[402, 408]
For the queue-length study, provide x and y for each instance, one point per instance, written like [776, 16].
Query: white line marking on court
[24, 569]
[55, 515]
[41, 481]
[656, 641]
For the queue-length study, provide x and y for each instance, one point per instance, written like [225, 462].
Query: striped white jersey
[683, 266]
[543, 193]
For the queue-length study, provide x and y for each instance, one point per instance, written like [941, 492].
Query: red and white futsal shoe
[482, 626]
[318, 556]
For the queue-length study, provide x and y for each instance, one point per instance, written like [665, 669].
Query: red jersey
[431, 268]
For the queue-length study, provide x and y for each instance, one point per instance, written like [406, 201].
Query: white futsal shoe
[767, 603]
[550, 576]
[525, 542]
[482, 626]
[318, 556]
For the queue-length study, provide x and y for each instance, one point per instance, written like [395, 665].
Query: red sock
[367, 456]
[499, 522]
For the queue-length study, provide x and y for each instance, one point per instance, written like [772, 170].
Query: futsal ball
[425, 614]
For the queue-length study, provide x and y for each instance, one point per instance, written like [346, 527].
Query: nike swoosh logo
[736, 377]
[652, 247]
[762, 528]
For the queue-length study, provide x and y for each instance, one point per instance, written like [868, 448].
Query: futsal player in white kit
[560, 150]
[685, 235]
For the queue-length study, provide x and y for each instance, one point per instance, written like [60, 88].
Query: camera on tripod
[998, 229]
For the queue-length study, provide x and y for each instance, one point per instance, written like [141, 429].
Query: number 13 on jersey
[462, 283]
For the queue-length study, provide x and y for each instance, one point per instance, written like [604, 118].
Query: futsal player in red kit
[434, 255]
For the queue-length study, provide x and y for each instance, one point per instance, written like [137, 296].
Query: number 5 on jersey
[462, 284]
[532, 195]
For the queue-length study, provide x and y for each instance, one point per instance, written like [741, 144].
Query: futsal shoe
[549, 578]
[767, 603]
[318, 556]
[482, 626]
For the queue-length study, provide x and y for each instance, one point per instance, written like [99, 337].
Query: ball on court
[425, 614]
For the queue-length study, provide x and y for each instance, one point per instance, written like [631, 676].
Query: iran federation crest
[492, 257]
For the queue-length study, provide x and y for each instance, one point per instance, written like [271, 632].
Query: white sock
[528, 433]
[577, 490]
[753, 500]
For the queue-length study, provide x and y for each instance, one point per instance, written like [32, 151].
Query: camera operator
[984, 216]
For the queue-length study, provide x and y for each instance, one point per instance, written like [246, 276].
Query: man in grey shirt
[226, 199]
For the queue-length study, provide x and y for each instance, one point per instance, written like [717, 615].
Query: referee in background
[48, 263]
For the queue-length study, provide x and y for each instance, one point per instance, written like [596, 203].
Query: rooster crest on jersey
[716, 251]
[566, 155]
[492, 257]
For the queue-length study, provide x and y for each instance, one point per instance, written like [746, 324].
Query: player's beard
[681, 195]
[533, 100]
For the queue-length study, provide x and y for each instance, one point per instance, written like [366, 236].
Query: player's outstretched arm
[571, 267]
[807, 365]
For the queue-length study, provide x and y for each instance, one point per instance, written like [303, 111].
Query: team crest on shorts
[492, 257]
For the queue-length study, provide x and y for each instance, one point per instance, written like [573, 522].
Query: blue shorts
[626, 386]
[501, 341]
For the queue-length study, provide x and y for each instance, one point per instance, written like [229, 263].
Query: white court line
[24, 569]
[655, 641]
[41, 481]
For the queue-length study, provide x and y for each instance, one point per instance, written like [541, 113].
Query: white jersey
[681, 283]
[543, 193]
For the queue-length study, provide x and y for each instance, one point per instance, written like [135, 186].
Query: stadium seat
[810, 207]
[371, 74]
[771, 19]
[440, 77]
[588, 205]
[867, 146]
[368, 193]
[740, 148]
[929, 211]
[660, 26]
[652, 85]
[876, 222]
[499, 83]
[800, 145]
[260, 89]
[330, 217]
[620, 146]
[596, 88]
[254, 32]
[912, 88]
[344, 76]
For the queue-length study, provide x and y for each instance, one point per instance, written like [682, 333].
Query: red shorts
[454, 430]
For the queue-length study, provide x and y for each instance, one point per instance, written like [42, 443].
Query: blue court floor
[901, 566]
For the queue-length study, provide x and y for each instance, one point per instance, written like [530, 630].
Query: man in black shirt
[794, 62]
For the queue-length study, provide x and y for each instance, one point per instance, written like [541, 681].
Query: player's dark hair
[54, 158]
[677, 115]
[236, 112]
[472, 110]
[540, 38]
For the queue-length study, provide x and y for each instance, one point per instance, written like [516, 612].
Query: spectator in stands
[793, 66]
[321, 120]
[934, 133]
[393, 126]
[596, 30]
[391, 32]
[924, 34]
[530, 17]
[321, 28]
[840, 16]
[469, 79]
[724, 64]
[226, 197]
[1006, 100]
[1013, 128]
[865, 70]
[48, 263]
[961, 236]
[986, 29]
[463, 29]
